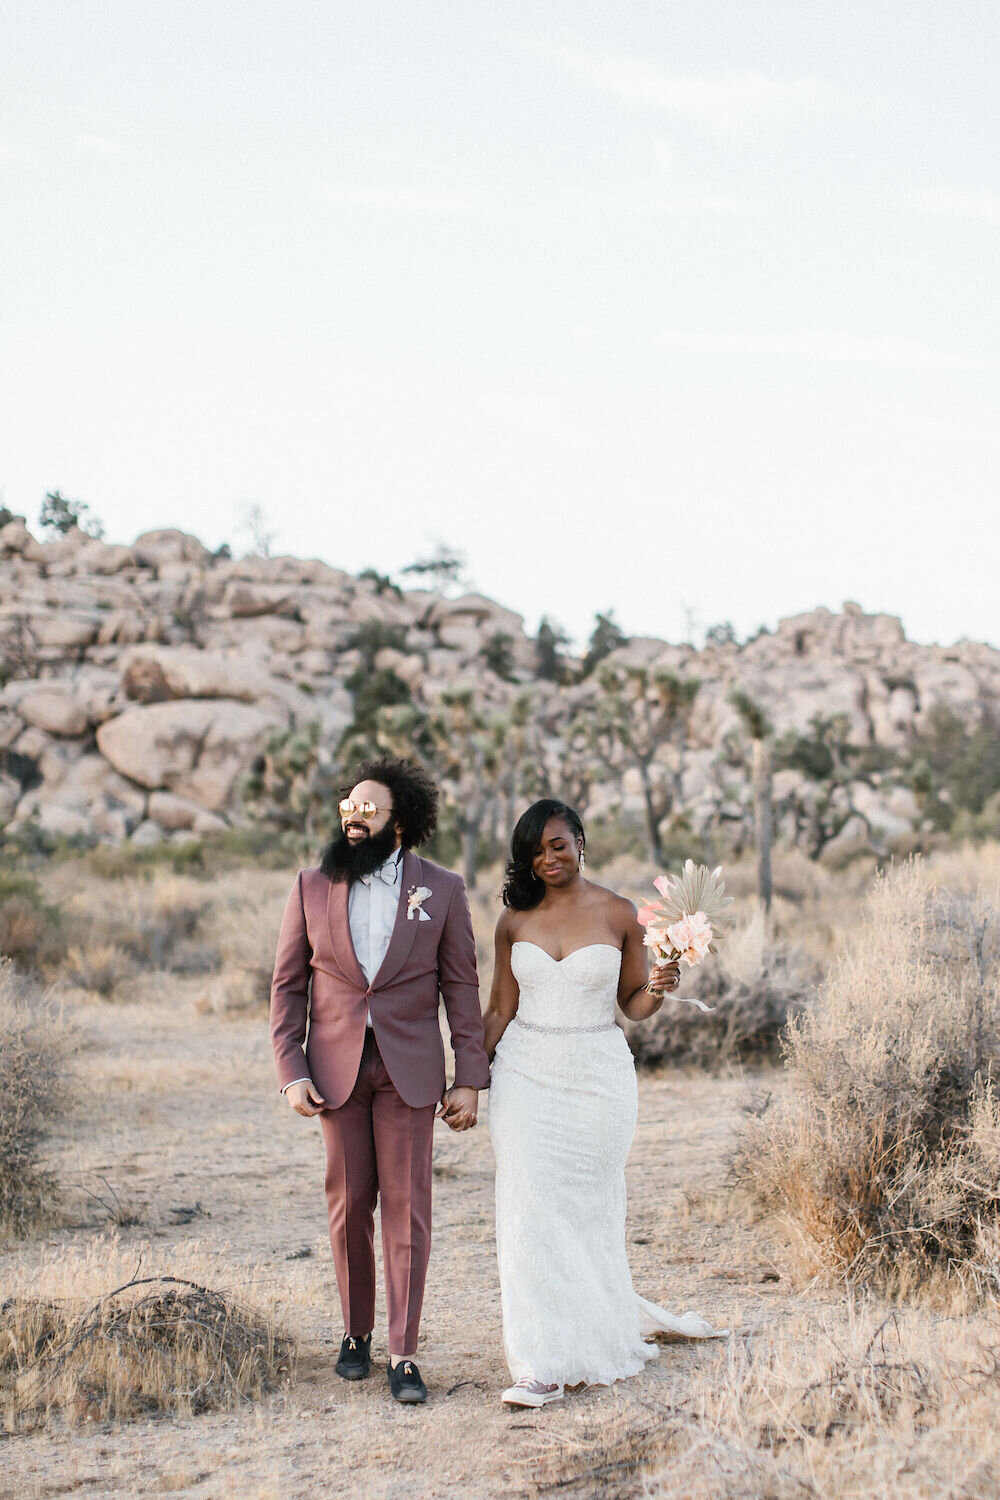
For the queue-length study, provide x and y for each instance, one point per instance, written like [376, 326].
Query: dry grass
[32, 1045]
[860, 1405]
[150, 923]
[29, 926]
[147, 1343]
[100, 968]
[884, 1153]
[242, 926]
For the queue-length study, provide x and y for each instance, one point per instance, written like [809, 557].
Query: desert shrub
[753, 987]
[99, 967]
[154, 1344]
[244, 929]
[147, 923]
[132, 862]
[29, 925]
[884, 1151]
[31, 1089]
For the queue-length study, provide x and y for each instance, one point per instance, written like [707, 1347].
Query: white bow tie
[387, 873]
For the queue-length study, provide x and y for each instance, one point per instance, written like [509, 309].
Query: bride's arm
[504, 993]
[635, 1000]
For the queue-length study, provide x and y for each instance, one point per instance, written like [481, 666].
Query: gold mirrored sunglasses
[366, 810]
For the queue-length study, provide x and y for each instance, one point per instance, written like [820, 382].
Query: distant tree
[955, 766]
[374, 690]
[373, 636]
[760, 732]
[640, 722]
[520, 769]
[6, 516]
[722, 634]
[293, 781]
[550, 663]
[465, 753]
[254, 522]
[442, 570]
[62, 515]
[223, 553]
[496, 652]
[383, 583]
[830, 762]
[605, 637]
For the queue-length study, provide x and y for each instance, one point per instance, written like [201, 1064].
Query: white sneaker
[528, 1392]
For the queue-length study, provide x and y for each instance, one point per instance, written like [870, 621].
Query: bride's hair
[522, 888]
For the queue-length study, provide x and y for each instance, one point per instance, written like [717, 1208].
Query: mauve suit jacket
[320, 997]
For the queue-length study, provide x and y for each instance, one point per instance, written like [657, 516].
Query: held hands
[664, 978]
[459, 1108]
[305, 1098]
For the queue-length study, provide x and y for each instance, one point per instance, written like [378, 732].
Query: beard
[345, 861]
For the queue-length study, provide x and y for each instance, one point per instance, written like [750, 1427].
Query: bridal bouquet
[684, 923]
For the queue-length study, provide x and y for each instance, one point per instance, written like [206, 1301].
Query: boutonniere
[415, 898]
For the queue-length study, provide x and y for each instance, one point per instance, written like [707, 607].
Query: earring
[583, 861]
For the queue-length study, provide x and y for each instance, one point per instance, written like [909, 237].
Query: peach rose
[691, 937]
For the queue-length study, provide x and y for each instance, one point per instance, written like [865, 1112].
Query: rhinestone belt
[565, 1030]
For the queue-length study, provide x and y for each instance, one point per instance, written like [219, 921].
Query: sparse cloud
[981, 204]
[830, 347]
[727, 102]
[413, 199]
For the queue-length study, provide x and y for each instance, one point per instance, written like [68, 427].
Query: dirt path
[179, 1114]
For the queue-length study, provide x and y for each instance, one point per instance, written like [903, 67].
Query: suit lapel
[340, 934]
[404, 931]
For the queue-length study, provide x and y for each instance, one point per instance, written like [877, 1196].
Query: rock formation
[139, 683]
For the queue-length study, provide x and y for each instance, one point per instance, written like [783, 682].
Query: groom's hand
[459, 1108]
[305, 1098]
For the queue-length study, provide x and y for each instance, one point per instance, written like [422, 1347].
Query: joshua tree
[605, 637]
[760, 731]
[549, 642]
[640, 722]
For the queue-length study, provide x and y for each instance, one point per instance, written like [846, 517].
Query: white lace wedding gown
[562, 1115]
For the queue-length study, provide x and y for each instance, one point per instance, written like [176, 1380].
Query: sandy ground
[177, 1111]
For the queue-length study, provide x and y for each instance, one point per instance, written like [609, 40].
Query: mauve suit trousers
[378, 1147]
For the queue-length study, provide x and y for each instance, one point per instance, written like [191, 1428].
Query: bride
[562, 1114]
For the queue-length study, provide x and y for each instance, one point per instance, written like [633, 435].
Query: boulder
[245, 600]
[16, 541]
[147, 835]
[54, 711]
[154, 548]
[104, 559]
[172, 812]
[194, 747]
[155, 674]
[65, 630]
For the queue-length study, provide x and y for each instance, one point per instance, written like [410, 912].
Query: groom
[367, 942]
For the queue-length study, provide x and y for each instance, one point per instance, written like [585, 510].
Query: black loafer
[405, 1383]
[355, 1360]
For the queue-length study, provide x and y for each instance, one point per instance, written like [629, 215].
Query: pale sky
[682, 308]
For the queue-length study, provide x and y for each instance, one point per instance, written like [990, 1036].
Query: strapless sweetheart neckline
[527, 943]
